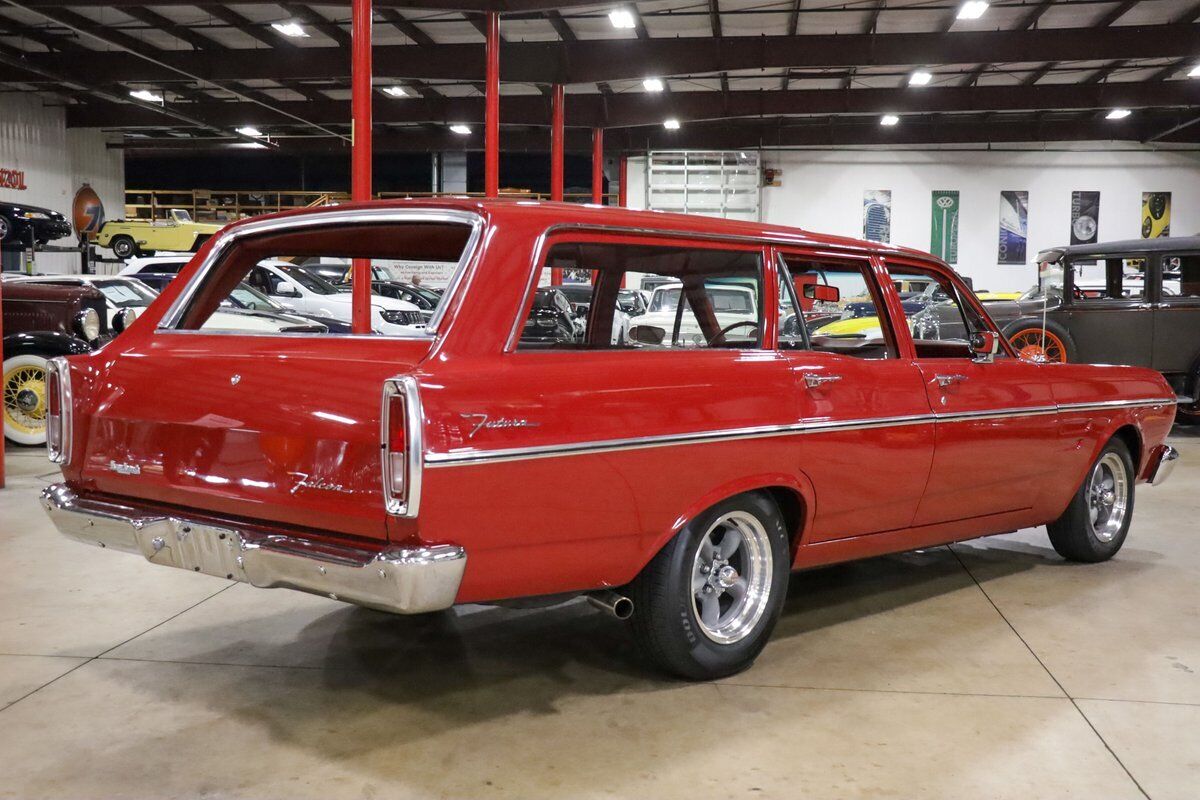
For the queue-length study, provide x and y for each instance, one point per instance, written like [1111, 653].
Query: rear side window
[599, 295]
[1181, 279]
[1109, 278]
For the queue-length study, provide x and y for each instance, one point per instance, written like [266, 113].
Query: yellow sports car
[988, 296]
[857, 326]
[137, 237]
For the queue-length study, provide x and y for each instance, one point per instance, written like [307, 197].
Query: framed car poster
[877, 215]
[943, 232]
[1085, 217]
[1156, 214]
[1014, 227]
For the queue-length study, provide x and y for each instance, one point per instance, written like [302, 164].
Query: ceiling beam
[637, 109]
[509, 6]
[591, 60]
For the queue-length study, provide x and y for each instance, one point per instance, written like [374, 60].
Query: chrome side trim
[1168, 458]
[407, 580]
[409, 505]
[337, 217]
[466, 457]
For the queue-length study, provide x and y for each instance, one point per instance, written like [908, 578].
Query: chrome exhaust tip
[618, 605]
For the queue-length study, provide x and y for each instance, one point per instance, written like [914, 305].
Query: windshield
[126, 294]
[728, 301]
[245, 296]
[180, 215]
[309, 281]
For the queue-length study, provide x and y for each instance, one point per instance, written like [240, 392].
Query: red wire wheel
[1037, 344]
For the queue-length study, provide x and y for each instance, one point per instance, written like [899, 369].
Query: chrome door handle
[948, 380]
[812, 379]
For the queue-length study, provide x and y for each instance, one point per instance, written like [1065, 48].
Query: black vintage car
[1132, 302]
[21, 224]
[41, 322]
[551, 319]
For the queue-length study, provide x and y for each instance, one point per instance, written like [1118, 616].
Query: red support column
[491, 133]
[360, 151]
[557, 116]
[597, 165]
[622, 183]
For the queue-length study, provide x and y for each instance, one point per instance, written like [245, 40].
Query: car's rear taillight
[402, 446]
[58, 411]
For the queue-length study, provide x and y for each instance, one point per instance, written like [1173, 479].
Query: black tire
[8, 231]
[1074, 535]
[665, 621]
[124, 247]
[1028, 323]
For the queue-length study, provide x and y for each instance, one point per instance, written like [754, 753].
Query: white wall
[56, 162]
[822, 191]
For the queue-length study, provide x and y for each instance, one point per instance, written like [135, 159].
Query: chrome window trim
[168, 322]
[456, 458]
[409, 505]
[66, 413]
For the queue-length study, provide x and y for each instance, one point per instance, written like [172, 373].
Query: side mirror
[822, 292]
[985, 345]
[287, 290]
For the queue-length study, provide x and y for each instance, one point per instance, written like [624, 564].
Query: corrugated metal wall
[34, 138]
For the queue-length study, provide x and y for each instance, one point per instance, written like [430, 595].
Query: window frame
[1172, 301]
[1151, 275]
[588, 234]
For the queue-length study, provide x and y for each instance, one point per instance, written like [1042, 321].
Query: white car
[129, 297]
[299, 290]
[735, 306]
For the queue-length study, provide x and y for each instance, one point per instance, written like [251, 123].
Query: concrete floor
[992, 669]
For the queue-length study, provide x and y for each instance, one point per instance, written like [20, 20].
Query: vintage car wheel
[1095, 524]
[25, 399]
[123, 246]
[1035, 343]
[705, 606]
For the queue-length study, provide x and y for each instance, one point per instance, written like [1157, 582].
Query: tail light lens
[402, 446]
[58, 411]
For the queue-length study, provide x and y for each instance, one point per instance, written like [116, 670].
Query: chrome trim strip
[456, 458]
[409, 505]
[404, 580]
[228, 236]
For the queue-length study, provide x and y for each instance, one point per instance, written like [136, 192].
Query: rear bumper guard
[401, 580]
[1163, 464]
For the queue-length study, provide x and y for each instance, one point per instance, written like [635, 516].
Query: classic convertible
[135, 237]
[675, 483]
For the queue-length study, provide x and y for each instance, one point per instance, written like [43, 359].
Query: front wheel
[7, 229]
[25, 399]
[1034, 341]
[705, 606]
[123, 247]
[1095, 524]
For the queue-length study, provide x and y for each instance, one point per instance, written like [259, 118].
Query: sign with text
[1014, 227]
[1085, 217]
[12, 179]
[943, 233]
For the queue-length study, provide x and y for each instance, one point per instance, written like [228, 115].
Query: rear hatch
[274, 429]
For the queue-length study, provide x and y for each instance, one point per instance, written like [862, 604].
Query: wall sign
[1014, 227]
[1156, 214]
[12, 179]
[1085, 217]
[87, 212]
[877, 215]
[943, 232]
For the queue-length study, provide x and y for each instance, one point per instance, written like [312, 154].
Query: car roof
[1158, 245]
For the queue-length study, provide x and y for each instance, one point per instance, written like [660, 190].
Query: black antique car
[551, 320]
[42, 322]
[1132, 302]
[20, 223]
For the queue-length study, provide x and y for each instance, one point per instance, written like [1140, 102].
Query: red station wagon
[674, 474]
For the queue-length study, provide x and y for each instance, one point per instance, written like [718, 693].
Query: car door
[1177, 313]
[1109, 316]
[871, 442]
[996, 437]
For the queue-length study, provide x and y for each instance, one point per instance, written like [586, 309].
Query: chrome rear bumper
[403, 581]
[1162, 466]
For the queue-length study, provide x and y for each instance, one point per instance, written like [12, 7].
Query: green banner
[943, 233]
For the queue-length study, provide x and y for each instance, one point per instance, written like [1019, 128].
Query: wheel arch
[1132, 438]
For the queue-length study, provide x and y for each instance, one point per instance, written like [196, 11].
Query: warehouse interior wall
[822, 190]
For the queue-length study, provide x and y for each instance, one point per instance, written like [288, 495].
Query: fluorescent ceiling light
[1194, 72]
[972, 9]
[461, 130]
[652, 84]
[293, 29]
[621, 18]
[671, 124]
[1118, 113]
[395, 91]
[889, 120]
[249, 130]
[149, 97]
[919, 78]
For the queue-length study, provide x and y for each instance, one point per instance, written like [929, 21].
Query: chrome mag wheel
[731, 577]
[1108, 497]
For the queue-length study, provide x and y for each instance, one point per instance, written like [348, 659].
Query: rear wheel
[705, 606]
[6, 229]
[1095, 524]
[25, 399]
